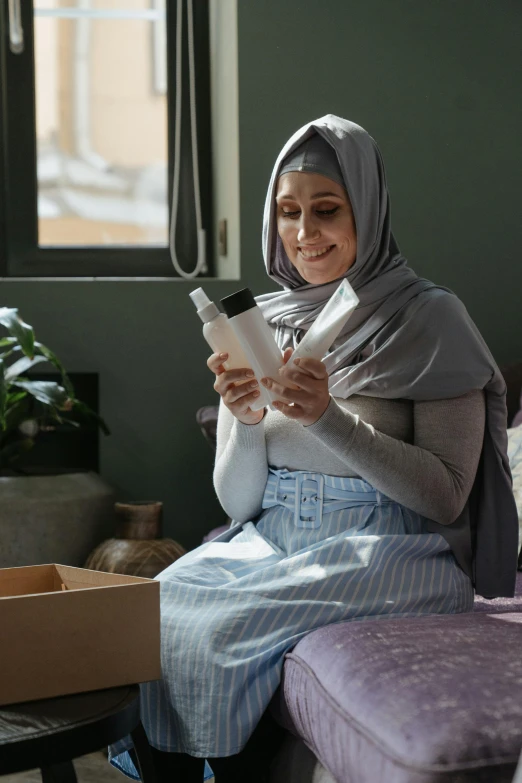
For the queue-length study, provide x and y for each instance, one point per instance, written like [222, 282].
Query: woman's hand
[237, 398]
[307, 403]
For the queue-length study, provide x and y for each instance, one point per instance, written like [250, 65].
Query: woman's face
[316, 225]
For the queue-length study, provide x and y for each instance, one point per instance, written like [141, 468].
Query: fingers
[244, 403]
[287, 354]
[227, 377]
[237, 388]
[235, 376]
[215, 362]
[294, 377]
[312, 367]
[307, 374]
[246, 392]
[284, 392]
[229, 381]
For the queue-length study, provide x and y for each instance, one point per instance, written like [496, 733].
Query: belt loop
[320, 499]
[297, 499]
[276, 490]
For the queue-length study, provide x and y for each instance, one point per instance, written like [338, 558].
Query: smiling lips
[319, 252]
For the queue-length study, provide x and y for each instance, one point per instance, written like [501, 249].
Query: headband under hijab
[315, 156]
[408, 339]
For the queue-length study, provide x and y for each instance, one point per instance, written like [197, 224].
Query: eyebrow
[323, 194]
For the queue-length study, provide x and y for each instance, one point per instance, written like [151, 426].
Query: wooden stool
[51, 732]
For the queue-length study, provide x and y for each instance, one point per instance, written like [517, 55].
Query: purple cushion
[411, 700]
[206, 417]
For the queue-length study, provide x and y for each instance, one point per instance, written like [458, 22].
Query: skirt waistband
[310, 495]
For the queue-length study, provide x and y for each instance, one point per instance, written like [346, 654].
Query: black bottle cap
[239, 302]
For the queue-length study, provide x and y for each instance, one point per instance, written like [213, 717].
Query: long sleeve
[241, 468]
[433, 475]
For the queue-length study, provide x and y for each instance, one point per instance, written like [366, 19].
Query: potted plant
[43, 518]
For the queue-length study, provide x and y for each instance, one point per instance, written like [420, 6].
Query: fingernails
[223, 355]
[250, 374]
[256, 394]
[266, 382]
[253, 384]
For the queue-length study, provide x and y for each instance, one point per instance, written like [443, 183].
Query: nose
[308, 229]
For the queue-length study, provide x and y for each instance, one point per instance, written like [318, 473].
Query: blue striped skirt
[324, 550]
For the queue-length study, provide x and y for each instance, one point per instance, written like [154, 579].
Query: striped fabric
[323, 550]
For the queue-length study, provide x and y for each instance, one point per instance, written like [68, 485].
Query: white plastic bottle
[222, 338]
[255, 338]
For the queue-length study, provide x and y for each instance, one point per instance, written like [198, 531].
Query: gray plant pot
[53, 519]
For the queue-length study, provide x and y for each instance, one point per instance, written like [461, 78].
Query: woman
[379, 484]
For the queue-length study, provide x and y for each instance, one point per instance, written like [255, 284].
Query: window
[88, 137]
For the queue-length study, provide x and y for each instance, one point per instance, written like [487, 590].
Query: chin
[319, 278]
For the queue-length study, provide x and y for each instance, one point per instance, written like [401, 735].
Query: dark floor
[93, 768]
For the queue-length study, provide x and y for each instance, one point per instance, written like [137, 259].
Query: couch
[413, 700]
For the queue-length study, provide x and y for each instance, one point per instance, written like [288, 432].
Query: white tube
[255, 338]
[328, 324]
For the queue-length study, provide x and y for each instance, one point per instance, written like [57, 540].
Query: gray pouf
[53, 519]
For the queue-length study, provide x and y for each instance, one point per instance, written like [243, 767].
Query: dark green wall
[437, 83]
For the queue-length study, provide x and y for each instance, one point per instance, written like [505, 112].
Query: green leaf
[6, 354]
[14, 397]
[18, 409]
[20, 366]
[17, 328]
[84, 409]
[48, 392]
[3, 395]
[22, 398]
[54, 360]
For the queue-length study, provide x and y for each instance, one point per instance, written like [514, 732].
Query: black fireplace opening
[65, 448]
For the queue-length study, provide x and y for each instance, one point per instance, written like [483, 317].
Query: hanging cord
[177, 146]
[16, 31]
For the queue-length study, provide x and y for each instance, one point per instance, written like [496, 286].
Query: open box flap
[74, 578]
[27, 579]
[31, 580]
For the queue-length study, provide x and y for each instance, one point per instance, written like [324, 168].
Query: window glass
[101, 122]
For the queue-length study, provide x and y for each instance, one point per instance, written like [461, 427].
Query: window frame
[20, 255]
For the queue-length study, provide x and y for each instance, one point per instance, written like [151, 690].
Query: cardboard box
[67, 630]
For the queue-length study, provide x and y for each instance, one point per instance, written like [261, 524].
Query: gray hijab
[408, 339]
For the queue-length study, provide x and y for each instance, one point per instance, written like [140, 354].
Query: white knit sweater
[423, 455]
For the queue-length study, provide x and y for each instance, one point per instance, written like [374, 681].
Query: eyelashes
[323, 212]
